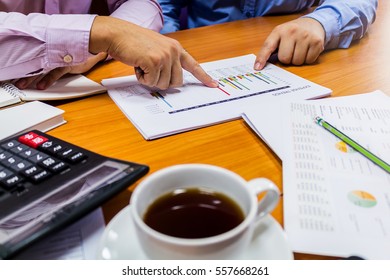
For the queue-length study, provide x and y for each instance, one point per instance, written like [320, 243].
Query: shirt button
[68, 58]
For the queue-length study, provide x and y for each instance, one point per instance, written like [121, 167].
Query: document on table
[160, 113]
[266, 118]
[336, 202]
[76, 242]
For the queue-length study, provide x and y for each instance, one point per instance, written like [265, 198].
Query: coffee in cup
[193, 213]
[176, 212]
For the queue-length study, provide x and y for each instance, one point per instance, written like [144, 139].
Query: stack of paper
[336, 201]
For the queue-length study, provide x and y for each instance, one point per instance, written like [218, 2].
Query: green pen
[381, 163]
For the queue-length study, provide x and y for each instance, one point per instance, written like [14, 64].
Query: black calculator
[47, 183]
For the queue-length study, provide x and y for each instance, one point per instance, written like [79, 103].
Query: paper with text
[266, 118]
[160, 113]
[336, 201]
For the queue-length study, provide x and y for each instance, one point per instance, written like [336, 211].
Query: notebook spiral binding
[11, 89]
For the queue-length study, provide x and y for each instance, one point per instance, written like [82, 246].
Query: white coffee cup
[228, 245]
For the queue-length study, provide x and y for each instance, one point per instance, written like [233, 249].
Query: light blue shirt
[343, 20]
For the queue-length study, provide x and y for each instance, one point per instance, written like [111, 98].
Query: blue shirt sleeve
[344, 21]
[171, 13]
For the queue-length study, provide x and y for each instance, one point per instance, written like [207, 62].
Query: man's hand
[46, 80]
[297, 42]
[158, 60]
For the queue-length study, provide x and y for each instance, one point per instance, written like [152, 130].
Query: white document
[336, 201]
[161, 113]
[79, 241]
[266, 118]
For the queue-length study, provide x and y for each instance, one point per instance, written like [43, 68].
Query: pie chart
[343, 147]
[362, 199]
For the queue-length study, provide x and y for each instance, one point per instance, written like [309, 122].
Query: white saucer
[119, 241]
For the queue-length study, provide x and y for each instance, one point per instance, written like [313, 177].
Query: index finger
[270, 45]
[190, 64]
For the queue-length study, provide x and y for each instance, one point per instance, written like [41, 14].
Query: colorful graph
[362, 199]
[343, 147]
[240, 82]
[261, 76]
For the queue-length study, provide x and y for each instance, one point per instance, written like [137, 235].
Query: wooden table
[96, 123]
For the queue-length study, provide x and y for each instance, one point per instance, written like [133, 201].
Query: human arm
[46, 44]
[334, 24]
[143, 13]
[37, 43]
[160, 58]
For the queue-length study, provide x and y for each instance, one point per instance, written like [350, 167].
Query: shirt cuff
[67, 38]
[330, 23]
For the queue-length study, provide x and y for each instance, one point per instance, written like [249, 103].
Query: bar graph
[157, 113]
[234, 83]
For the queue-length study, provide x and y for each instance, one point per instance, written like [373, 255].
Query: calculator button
[4, 173]
[10, 144]
[38, 157]
[13, 180]
[40, 176]
[27, 153]
[31, 171]
[4, 155]
[71, 155]
[53, 165]
[20, 165]
[33, 140]
[77, 157]
[47, 162]
[12, 161]
[26, 138]
[66, 152]
[58, 167]
[51, 147]
[8, 179]
[19, 148]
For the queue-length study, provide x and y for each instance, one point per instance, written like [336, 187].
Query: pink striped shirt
[40, 35]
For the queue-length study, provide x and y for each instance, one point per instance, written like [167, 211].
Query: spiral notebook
[66, 88]
[9, 94]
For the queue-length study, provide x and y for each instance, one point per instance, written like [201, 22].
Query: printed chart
[333, 192]
[362, 199]
[235, 83]
[194, 105]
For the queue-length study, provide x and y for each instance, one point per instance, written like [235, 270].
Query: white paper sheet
[336, 201]
[266, 118]
[161, 113]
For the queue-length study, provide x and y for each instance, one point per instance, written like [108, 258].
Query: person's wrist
[99, 35]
